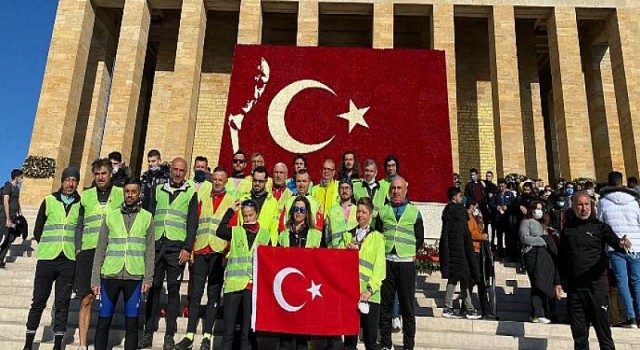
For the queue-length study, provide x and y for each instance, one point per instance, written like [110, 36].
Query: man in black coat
[457, 259]
[583, 271]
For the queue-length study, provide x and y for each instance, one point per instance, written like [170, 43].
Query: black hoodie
[583, 260]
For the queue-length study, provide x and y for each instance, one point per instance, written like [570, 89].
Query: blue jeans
[627, 272]
[396, 306]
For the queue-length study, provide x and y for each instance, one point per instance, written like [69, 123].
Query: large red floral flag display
[323, 101]
[306, 291]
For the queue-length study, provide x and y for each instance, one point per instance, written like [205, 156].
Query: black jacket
[582, 258]
[457, 258]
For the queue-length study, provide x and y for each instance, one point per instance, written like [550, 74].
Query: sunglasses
[300, 210]
[249, 203]
[238, 161]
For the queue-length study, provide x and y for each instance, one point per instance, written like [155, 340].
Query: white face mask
[537, 214]
[476, 212]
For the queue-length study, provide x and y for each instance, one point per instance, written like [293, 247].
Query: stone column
[383, 25]
[96, 104]
[569, 97]
[250, 22]
[61, 91]
[308, 22]
[181, 118]
[443, 36]
[127, 78]
[531, 102]
[505, 83]
[624, 44]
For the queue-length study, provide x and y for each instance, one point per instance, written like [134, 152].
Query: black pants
[206, 269]
[500, 231]
[233, 302]
[167, 263]
[60, 271]
[7, 236]
[512, 240]
[401, 278]
[482, 288]
[109, 294]
[286, 341]
[369, 324]
[588, 307]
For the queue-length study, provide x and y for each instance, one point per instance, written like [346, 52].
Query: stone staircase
[511, 331]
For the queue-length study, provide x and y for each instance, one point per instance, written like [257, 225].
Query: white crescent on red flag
[306, 291]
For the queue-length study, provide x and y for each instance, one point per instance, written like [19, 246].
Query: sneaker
[169, 343]
[184, 344]
[206, 344]
[3, 265]
[630, 324]
[146, 340]
[472, 315]
[396, 325]
[448, 312]
[542, 320]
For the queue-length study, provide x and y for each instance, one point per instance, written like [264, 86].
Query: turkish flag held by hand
[306, 291]
[323, 101]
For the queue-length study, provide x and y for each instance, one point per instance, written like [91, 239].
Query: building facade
[545, 88]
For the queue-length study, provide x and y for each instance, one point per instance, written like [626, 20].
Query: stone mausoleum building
[545, 88]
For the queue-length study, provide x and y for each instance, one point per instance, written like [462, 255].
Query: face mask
[115, 169]
[590, 192]
[537, 214]
[19, 185]
[199, 176]
[560, 203]
[570, 191]
[474, 177]
[154, 168]
[476, 212]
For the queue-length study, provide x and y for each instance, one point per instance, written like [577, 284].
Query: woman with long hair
[539, 253]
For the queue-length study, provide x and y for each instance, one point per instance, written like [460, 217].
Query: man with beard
[349, 167]
[266, 205]
[237, 184]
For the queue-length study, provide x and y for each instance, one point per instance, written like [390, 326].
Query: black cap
[71, 172]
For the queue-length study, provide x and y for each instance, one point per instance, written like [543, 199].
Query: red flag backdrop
[306, 291]
[322, 101]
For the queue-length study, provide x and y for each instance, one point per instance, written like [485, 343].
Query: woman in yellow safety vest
[370, 244]
[238, 281]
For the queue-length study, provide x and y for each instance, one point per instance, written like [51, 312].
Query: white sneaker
[542, 320]
[396, 323]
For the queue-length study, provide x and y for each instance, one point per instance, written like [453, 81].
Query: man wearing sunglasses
[266, 204]
[238, 184]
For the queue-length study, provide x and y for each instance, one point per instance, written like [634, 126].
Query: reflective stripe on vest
[209, 221]
[126, 249]
[171, 218]
[340, 228]
[371, 249]
[94, 213]
[400, 234]
[58, 235]
[313, 238]
[239, 270]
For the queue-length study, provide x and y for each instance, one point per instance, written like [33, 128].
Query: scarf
[67, 200]
[252, 228]
[129, 209]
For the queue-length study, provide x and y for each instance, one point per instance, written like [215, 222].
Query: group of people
[131, 237]
[570, 239]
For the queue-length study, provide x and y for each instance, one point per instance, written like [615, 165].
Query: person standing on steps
[123, 263]
[208, 260]
[54, 231]
[175, 210]
[9, 212]
[94, 203]
[582, 265]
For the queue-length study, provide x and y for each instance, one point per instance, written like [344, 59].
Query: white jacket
[620, 210]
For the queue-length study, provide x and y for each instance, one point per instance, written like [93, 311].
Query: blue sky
[25, 33]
